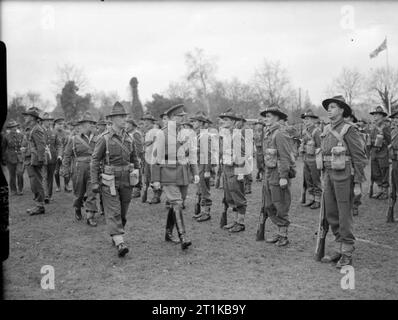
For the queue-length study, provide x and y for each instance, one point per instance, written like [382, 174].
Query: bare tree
[179, 90]
[349, 83]
[383, 87]
[272, 84]
[200, 73]
[69, 72]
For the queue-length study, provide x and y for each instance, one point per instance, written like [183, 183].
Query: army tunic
[12, 157]
[204, 183]
[79, 150]
[379, 159]
[394, 158]
[63, 138]
[35, 157]
[258, 142]
[139, 147]
[312, 175]
[277, 200]
[121, 163]
[339, 184]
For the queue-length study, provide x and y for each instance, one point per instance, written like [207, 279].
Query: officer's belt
[329, 158]
[121, 168]
[83, 159]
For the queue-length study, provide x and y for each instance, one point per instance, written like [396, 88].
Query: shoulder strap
[73, 145]
[106, 137]
[122, 146]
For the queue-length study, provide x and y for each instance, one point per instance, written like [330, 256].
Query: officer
[279, 170]
[234, 169]
[53, 155]
[116, 149]
[35, 156]
[248, 179]
[380, 138]
[132, 129]
[394, 172]
[343, 153]
[80, 148]
[204, 148]
[12, 157]
[149, 124]
[175, 159]
[258, 142]
[311, 145]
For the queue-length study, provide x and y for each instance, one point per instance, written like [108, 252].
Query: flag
[381, 47]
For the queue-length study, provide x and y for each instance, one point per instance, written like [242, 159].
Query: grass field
[218, 265]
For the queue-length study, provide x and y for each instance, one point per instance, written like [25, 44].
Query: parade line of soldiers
[110, 161]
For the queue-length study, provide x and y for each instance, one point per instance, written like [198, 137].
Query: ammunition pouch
[310, 148]
[134, 177]
[338, 160]
[109, 181]
[271, 158]
[379, 140]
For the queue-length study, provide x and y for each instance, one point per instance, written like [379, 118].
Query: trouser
[380, 172]
[116, 206]
[248, 178]
[175, 194]
[203, 191]
[260, 161]
[234, 190]
[58, 166]
[339, 194]
[356, 201]
[276, 202]
[82, 186]
[312, 178]
[147, 180]
[15, 171]
[36, 183]
[48, 179]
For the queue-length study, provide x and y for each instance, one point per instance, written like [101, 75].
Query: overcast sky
[118, 40]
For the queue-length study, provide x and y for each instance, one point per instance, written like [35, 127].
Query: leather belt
[121, 168]
[83, 159]
[329, 158]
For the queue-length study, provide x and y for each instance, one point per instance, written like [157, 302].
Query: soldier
[12, 157]
[34, 156]
[132, 129]
[203, 206]
[342, 152]
[149, 121]
[311, 145]
[101, 128]
[63, 134]
[53, 155]
[116, 149]
[258, 142]
[79, 149]
[233, 171]
[279, 170]
[171, 170]
[380, 138]
[394, 170]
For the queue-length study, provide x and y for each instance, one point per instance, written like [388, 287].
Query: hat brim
[229, 117]
[12, 126]
[59, 119]
[303, 116]
[86, 120]
[31, 114]
[394, 115]
[379, 112]
[280, 114]
[180, 114]
[346, 107]
[117, 114]
[152, 119]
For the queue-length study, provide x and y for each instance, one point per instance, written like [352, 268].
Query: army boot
[197, 212]
[90, 218]
[78, 213]
[239, 225]
[136, 193]
[346, 255]
[283, 240]
[384, 194]
[170, 222]
[311, 201]
[334, 255]
[36, 210]
[205, 215]
[179, 219]
[231, 224]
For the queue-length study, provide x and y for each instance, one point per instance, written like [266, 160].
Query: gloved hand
[95, 188]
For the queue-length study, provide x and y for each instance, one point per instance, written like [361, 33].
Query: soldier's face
[227, 123]
[377, 117]
[270, 119]
[196, 124]
[334, 111]
[28, 118]
[59, 125]
[119, 121]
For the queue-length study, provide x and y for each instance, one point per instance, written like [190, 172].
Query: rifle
[261, 224]
[323, 229]
[219, 171]
[197, 204]
[304, 192]
[144, 196]
[391, 200]
[223, 220]
[371, 189]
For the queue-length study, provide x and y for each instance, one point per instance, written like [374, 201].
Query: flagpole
[388, 79]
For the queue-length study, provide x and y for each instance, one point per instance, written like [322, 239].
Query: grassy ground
[218, 265]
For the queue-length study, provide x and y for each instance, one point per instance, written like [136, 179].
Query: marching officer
[311, 145]
[35, 156]
[79, 150]
[380, 138]
[172, 170]
[115, 148]
[258, 142]
[12, 157]
[394, 170]
[234, 170]
[279, 170]
[343, 153]
[53, 155]
[204, 147]
[132, 129]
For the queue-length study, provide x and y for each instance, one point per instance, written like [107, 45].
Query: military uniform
[311, 174]
[139, 147]
[117, 151]
[80, 148]
[343, 153]
[279, 166]
[35, 157]
[62, 135]
[174, 172]
[394, 168]
[12, 157]
[258, 142]
[380, 138]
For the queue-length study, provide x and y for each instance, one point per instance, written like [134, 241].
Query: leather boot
[232, 223]
[239, 225]
[384, 194]
[36, 211]
[78, 214]
[90, 219]
[136, 193]
[170, 222]
[315, 205]
[346, 255]
[197, 212]
[309, 203]
[283, 240]
[205, 215]
[179, 219]
[334, 255]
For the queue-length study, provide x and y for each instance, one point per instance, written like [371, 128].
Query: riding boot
[179, 219]
[170, 222]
